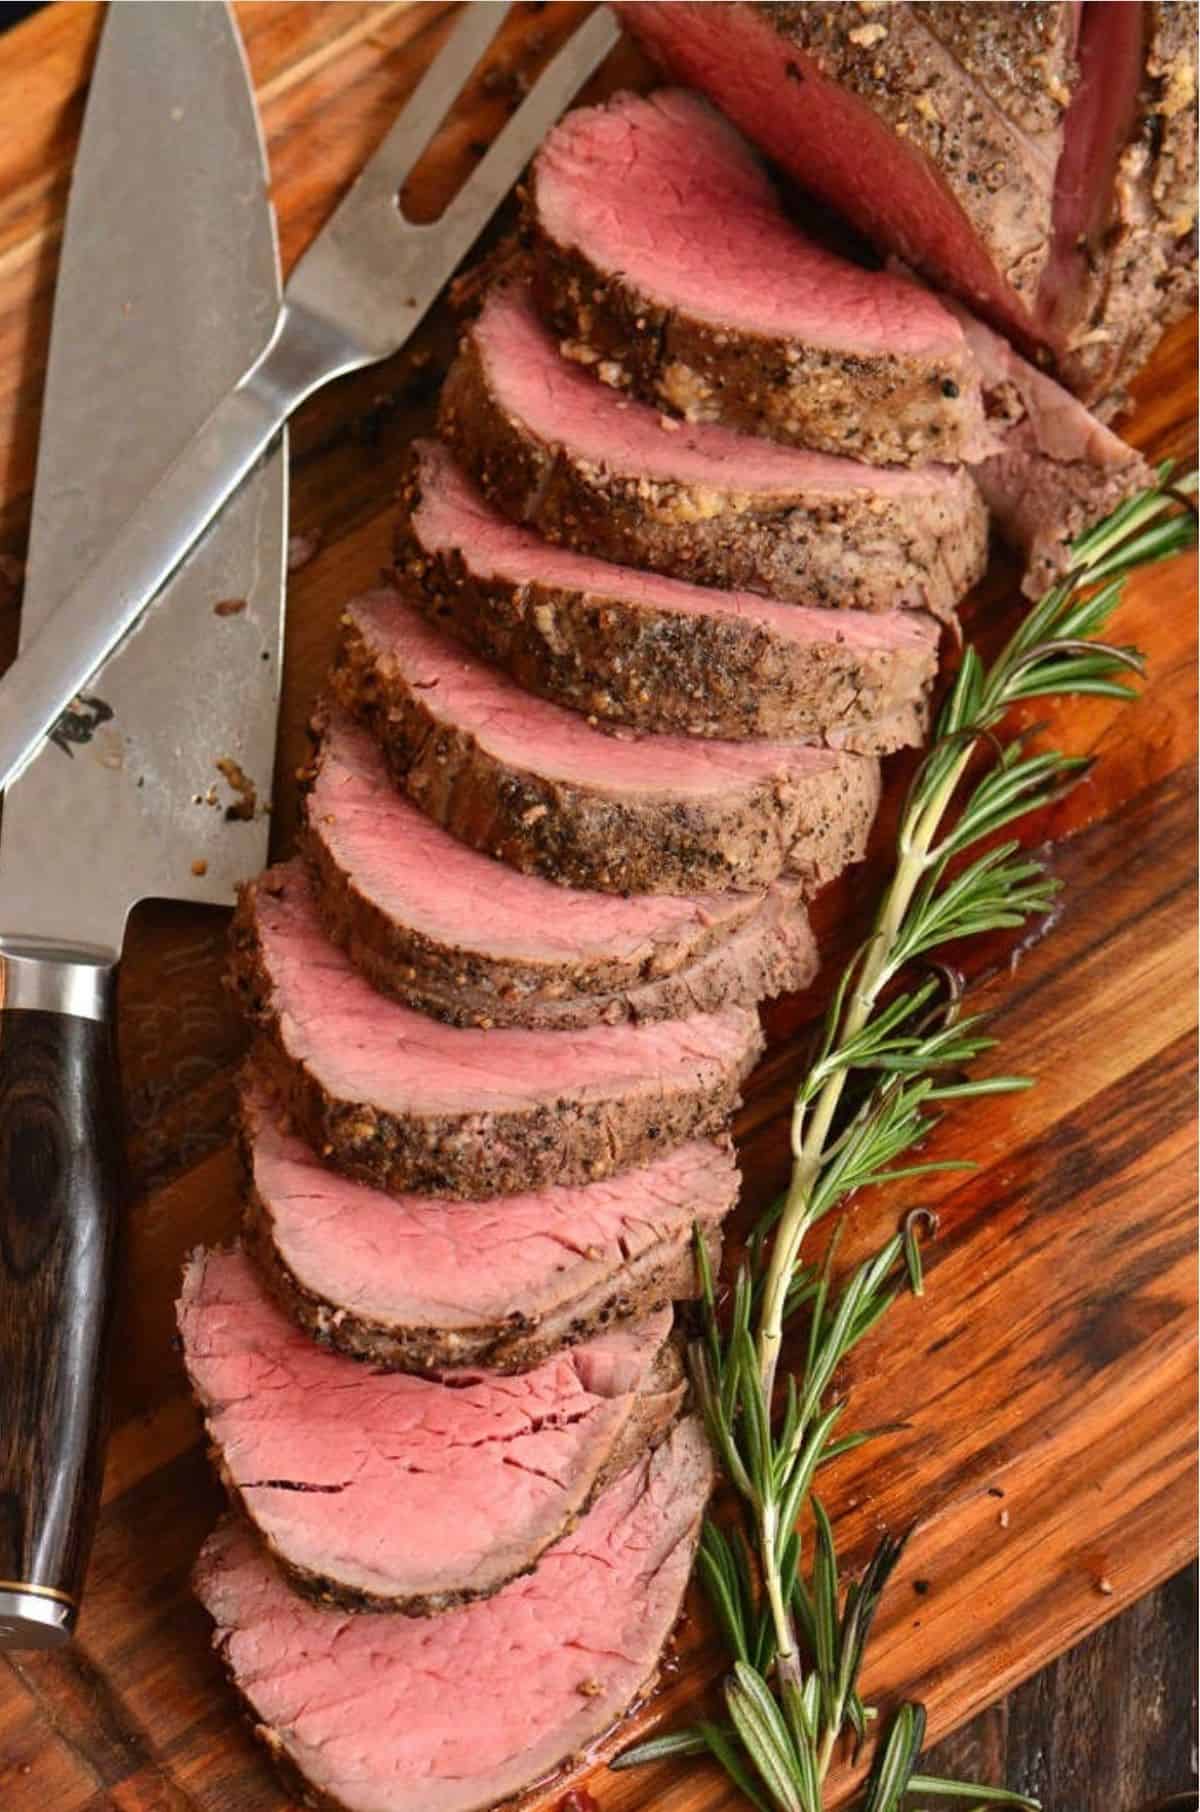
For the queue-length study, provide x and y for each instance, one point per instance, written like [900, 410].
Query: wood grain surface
[1047, 1378]
[1110, 1724]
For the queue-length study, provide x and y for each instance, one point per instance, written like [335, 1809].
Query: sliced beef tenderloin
[418, 1285]
[539, 787]
[1039, 162]
[662, 256]
[403, 1102]
[376, 1713]
[453, 933]
[1060, 470]
[616, 478]
[659, 654]
[384, 1491]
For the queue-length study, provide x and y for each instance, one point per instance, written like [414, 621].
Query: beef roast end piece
[1047, 180]
[879, 118]
[1123, 265]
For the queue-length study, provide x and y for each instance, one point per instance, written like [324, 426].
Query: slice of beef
[417, 1285]
[687, 282]
[376, 1713]
[397, 881]
[1060, 471]
[1039, 162]
[657, 653]
[537, 786]
[1098, 124]
[403, 1102]
[555, 449]
[466, 939]
[384, 1491]
[662, 256]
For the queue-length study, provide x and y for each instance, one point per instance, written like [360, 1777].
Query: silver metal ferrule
[34, 1617]
[37, 978]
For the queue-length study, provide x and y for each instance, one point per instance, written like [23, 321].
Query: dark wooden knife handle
[60, 1155]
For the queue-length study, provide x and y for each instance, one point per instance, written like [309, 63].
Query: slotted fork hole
[493, 91]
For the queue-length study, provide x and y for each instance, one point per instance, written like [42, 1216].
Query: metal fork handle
[106, 604]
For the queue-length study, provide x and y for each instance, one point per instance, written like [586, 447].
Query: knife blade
[159, 780]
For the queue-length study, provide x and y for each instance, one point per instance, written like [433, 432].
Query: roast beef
[537, 786]
[552, 447]
[1039, 161]
[415, 1285]
[384, 1491]
[653, 652]
[1060, 470]
[377, 1713]
[403, 1102]
[869, 110]
[471, 941]
[662, 256]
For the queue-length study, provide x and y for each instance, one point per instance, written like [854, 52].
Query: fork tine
[369, 276]
[511, 150]
[430, 101]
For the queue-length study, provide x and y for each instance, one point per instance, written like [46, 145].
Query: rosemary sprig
[894, 1045]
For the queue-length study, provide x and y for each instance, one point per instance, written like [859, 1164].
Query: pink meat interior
[527, 733]
[453, 516]
[364, 1047]
[421, 1263]
[431, 883]
[386, 1475]
[463, 1709]
[665, 192]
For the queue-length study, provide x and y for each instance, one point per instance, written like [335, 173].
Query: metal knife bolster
[40, 978]
[34, 1617]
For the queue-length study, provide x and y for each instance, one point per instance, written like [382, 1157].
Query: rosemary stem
[797, 1216]
[787, 1657]
[828, 1744]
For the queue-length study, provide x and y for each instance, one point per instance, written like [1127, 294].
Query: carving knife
[158, 777]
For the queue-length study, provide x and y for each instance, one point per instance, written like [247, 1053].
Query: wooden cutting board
[1047, 1378]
